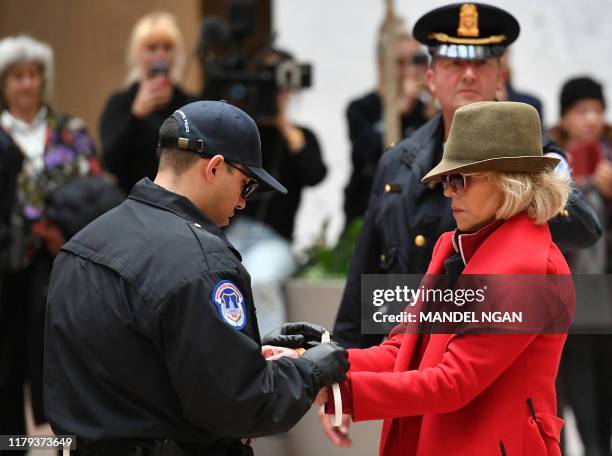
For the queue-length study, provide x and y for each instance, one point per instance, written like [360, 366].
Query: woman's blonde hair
[150, 24]
[543, 195]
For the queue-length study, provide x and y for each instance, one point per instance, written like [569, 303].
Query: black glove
[330, 363]
[295, 335]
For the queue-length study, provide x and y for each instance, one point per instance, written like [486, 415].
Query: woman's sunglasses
[456, 182]
[250, 186]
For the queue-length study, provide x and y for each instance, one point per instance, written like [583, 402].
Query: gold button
[419, 240]
[387, 188]
[383, 258]
[565, 213]
[197, 225]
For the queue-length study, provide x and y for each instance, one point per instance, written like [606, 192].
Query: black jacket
[405, 218]
[294, 170]
[136, 346]
[11, 161]
[129, 143]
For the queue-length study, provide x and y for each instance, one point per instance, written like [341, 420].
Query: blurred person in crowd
[40, 150]
[132, 116]
[263, 231]
[366, 124]
[509, 93]
[405, 217]
[586, 372]
[68, 208]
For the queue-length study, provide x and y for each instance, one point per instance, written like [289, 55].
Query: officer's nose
[469, 74]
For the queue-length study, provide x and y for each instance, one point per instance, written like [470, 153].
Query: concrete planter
[317, 301]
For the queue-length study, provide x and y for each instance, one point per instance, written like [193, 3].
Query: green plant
[323, 261]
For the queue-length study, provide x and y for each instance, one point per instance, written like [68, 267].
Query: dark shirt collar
[148, 192]
[468, 243]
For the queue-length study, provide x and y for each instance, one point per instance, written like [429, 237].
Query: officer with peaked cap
[152, 344]
[405, 217]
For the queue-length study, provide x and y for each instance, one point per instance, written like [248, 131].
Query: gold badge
[468, 20]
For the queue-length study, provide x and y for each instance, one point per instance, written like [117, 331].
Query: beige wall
[89, 38]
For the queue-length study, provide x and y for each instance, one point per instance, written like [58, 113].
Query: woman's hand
[602, 178]
[339, 436]
[153, 94]
[322, 396]
[270, 352]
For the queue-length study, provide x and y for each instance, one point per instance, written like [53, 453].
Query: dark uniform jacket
[405, 218]
[151, 333]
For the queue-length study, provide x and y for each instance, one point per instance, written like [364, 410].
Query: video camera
[245, 80]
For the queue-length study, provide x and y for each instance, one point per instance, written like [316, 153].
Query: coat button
[383, 258]
[197, 225]
[392, 188]
[419, 240]
[565, 213]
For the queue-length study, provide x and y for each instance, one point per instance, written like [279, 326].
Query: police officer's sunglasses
[250, 186]
[457, 182]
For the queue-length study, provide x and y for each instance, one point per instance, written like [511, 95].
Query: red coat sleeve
[380, 358]
[470, 364]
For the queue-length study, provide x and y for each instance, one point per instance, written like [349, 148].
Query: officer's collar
[150, 193]
[421, 147]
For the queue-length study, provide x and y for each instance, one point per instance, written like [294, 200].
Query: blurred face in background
[409, 68]
[23, 87]
[457, 83]
[157, 48]
[584, 121]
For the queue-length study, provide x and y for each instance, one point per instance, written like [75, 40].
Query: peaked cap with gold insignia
[467, 31]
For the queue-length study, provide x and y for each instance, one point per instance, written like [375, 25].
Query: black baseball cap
[210, 128]
[467, 31]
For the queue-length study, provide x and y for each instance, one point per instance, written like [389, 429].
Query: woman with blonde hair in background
[131, 119]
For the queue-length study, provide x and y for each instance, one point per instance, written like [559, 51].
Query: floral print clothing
[68, 152]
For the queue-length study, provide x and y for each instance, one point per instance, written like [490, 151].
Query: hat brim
[263, 177]
[521, 164]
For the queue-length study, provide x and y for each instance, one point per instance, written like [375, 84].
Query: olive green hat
[493, 136]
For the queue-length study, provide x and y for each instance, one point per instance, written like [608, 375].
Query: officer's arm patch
[230, 303]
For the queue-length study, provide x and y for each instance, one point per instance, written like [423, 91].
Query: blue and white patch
[230, 303]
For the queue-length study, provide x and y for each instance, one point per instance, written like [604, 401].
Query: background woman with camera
[132, 117]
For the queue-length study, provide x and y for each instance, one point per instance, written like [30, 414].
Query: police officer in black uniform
[404, 217]
[152, 344]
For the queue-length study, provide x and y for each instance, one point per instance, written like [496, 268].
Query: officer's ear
[211, 169]
[429, 77]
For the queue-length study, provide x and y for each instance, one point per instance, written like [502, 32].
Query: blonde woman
[477, 393]
[132, 117]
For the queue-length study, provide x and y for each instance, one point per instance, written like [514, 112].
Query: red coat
[468, 394]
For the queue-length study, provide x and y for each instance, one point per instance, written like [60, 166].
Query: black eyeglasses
[456, 182]
[250, 187]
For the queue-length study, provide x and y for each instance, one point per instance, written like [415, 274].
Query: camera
[158, 69]
[252, 80]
